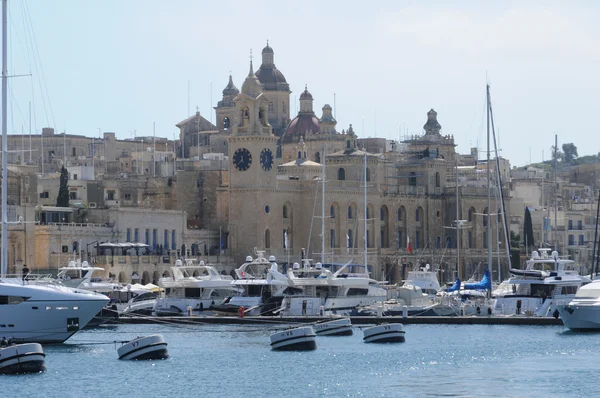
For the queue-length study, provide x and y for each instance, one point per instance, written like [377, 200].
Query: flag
[408, 248]
[285, 240]
[347, 243]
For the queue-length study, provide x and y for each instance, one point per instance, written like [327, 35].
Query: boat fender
[478, 310]
[241, 311]
[489, 310]
[555, 314]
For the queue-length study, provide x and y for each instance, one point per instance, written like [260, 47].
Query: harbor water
[236, 361]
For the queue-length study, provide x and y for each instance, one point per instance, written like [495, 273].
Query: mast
[4, 258]
[555, 193]
[594, 259]
[365, 181]
[323, 208]
[458, 225]
[489, 223]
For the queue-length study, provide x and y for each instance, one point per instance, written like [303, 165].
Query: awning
[125, 245]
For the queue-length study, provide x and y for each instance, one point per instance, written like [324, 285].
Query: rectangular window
[74, 176]
[571, 240]
[332, 238]
[128, 238]
[110, 195]
[154, 238]
[173, 242]
[148, 237]
[417, 240]
[166, 239]
[581, 240]
[579, 225]
[127, 196]
[570, 225]
[65, 249]
[136, 235]
[72, 195]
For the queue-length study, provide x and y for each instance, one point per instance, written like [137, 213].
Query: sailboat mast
[555, 194]
[489, 224]
[458, 225]
[366, 240]
[323, 207]
[4, 248]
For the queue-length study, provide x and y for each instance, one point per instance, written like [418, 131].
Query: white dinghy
[298, 339]
[149, 347]
[22, 358]
[336, 327]
[387, 333]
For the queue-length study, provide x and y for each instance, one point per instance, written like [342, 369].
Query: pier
[356, 320]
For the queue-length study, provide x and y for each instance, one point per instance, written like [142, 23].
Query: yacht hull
[580, 318]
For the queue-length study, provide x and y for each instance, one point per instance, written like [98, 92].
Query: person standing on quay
[25, 272]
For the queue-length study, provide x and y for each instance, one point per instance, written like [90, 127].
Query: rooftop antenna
[210, 104]
[154, 148]
[188, 110]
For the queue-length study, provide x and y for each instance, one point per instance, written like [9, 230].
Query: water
[236, 361]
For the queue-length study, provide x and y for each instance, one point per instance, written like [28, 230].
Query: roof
[301, 125]
[301, 163]
[205, 125]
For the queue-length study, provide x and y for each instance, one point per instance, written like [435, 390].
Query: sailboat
[49, 313]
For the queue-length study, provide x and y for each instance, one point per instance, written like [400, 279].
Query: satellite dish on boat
[535, 255]
[318, 265]
[201, 262]
[555, 255]
[427, 266]
[296, 266]
[248, 259]
[272, 259]
[72, 264]
[85, 264]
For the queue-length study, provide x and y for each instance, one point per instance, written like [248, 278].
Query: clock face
[266, 159]
[242, 159]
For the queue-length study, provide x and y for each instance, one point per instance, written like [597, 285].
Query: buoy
[336, 327]
[22, 358]
[298, 339]
[387, 333]
[150, 347]
[241, 311]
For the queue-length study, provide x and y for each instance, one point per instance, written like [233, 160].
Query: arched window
[348, 144]
[267, 239]
[412, 179]
[437, 180]
[331, 211]
[285, 211]
[318, 157]
[448, 242]
[368, 174]
[485, 217]
[341, 174]
[299, 155]
[471, 214]
[350, 215]
[226, 123]
[438, 242]
[418, 214]
[349, 242]
[400, 211]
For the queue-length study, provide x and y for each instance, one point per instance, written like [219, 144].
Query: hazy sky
[120, 65]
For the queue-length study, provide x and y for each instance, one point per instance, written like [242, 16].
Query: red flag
[408, 248]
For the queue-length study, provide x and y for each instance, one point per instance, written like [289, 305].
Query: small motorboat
[336, 327]
[22, 358]
[149, 347]
[386, 333]
[297, 339]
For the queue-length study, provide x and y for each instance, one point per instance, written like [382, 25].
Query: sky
[125, 66]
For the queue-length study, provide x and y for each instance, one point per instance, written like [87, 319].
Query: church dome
[267, 49]
[268, 74]
[306, 95]
[231, 89]
[251, 86]
[300, 126]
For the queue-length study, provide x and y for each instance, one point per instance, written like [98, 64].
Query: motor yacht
[45, 312]
[546, 283]
[583, 312]
[80, 275]
[260, 286]
[322, 291]
[195, 286]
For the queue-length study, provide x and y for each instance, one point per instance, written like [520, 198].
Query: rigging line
[28, 48]
[39, 61]
[312, 220]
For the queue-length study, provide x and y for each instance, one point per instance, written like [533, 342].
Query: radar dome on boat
[201, 262]
[129, 286]
[72, 264]
[318, 265]
[555, 255]
[272, 259]
[248, 258]
[85, 264]
[178, 263]
[535, 254]
[296, 266]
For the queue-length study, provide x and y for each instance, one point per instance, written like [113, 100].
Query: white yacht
[193, 285]
[425, 279]
[546, 283]
[468, 299]
[261, 287]
[133, 300]
[45, 313]
[80, 275]
[583, 312]
[323, 291]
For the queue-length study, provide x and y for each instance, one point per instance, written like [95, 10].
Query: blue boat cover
[454, 287]
[484, 284]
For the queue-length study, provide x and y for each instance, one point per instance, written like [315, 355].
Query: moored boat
[335, 327]
[22, 358]
[386, 333]
[149, 347]
[297, 339]
[582, 314]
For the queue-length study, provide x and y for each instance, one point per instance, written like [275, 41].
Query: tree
[569, 152]
[62, 199]
[556, 153]
[528, 230]
[515, 252]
